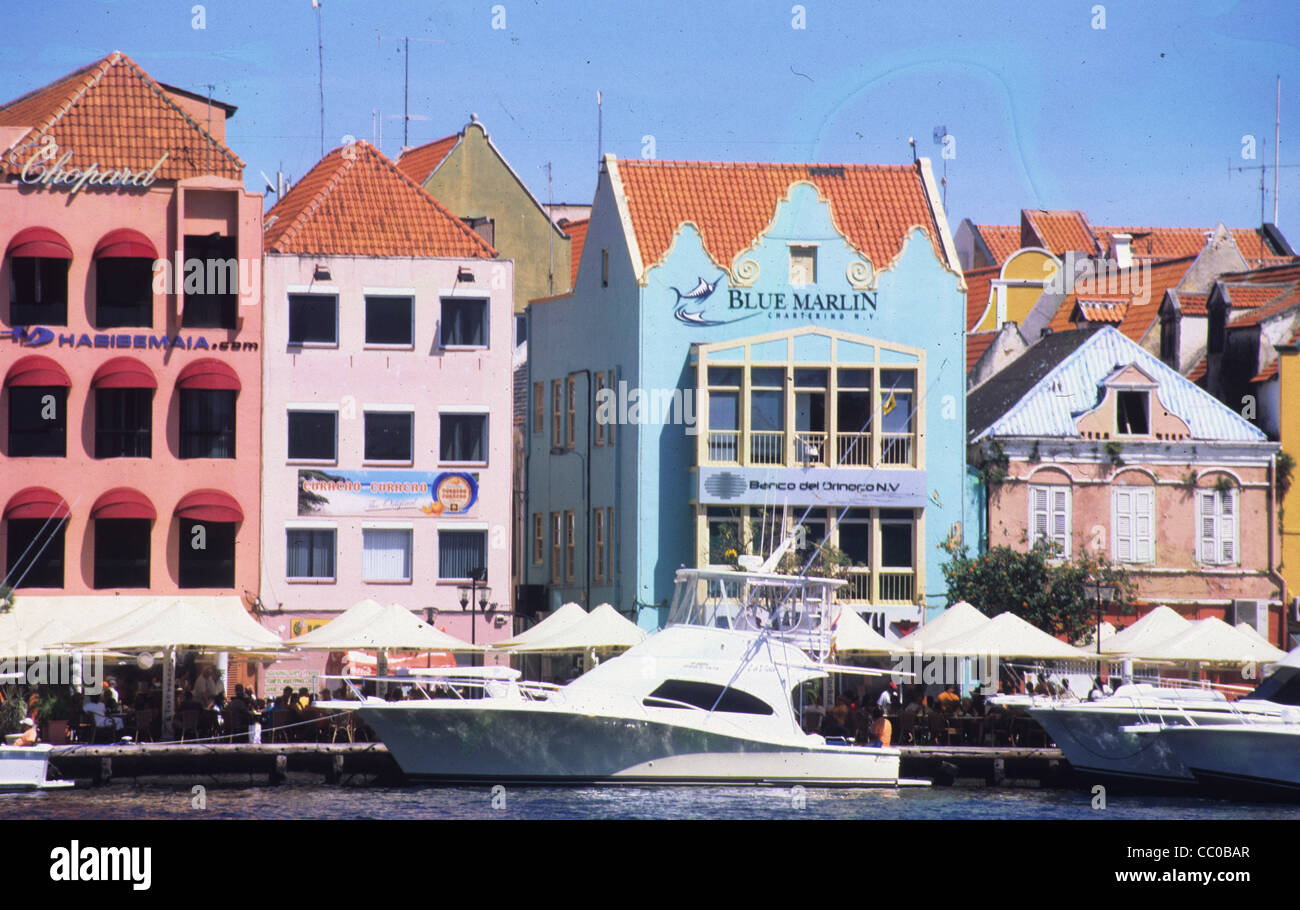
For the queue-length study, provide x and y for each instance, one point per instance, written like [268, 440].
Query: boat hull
[26, 768]
[461, 741]
[1258, 758]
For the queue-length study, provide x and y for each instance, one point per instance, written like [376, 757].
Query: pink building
[387, 410]
[1107, 449]
[130, 458]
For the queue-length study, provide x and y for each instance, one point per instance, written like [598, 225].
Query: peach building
[130, 335]
[1105, 448]
[387, 408]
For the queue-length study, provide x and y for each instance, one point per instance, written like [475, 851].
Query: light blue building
[749, 347]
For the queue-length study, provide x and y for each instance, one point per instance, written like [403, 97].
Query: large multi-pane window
[598, 542]
[810, 437]
[390, 321]
[38, 421]
[123, 423]
[461, 553]
[853, 417]
[767, 415]
[309, 553]
[389, 435]
[539, 539]
[539, 407]
[724, 414]
[570, 410]
[570, 546]
[897, 416]
[34, 552]
[207, 554]
[207, 423]
[557, 418]
[122, 552]
[557, 548]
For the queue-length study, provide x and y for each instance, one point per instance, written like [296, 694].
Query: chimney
[1121, 250]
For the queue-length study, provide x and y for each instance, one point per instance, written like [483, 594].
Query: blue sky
[1135, 123]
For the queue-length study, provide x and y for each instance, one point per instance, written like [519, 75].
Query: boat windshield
[1282, 687]
[797, 610]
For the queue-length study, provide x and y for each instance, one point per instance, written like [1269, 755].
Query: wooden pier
[361, 763]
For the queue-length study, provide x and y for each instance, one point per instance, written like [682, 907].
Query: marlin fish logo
[693, 297]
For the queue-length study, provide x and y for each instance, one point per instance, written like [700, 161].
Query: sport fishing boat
[1243, 756]
[710, 699]
[27, 768]
[1124, 735]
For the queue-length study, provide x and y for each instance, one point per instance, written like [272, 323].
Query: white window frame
[487, 321]
[409, 531]
[1132, 528]
[408, 293]
[387, 409]
[309, 291]
[466, 410]
[333, 528]
[1218, 529]
[1056, 512]
[293, 407]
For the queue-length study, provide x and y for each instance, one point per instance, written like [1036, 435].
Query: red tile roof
[1267, 373]
[979, 282]
[1198, 372]
[1001, 239]
[1288, 299]
[1242, 296]
[355, 202]
[113, 113]
[731, 203]
[1057, 230]
[1148, 281]
[577, 231]
[976, 344]
[419, 162]
[1103, 309]
[1279, 274]
[1192, 304]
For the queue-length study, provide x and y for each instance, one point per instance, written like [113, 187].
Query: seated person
[29, 736]
[95, 708]
[881, 730]
[949, 700]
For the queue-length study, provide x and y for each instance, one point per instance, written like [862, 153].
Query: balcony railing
[896, 448]
[724, 446]
[810, 448]
[767, 447]
[859, 586]
[897, 586]
[853, 449]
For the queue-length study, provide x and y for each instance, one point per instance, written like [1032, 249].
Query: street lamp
[1104, 592]
[469, 599]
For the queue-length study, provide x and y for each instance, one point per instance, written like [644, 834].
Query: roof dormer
[1130, 408]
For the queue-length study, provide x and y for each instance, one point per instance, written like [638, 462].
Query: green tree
[1036, 585]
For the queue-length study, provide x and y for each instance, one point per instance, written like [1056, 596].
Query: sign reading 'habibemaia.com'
[812, 486]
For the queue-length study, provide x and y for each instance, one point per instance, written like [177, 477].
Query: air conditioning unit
[1252, 612]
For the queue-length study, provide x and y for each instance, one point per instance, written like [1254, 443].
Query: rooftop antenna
[600, 127]
[550, 235]
[912, 142]
[1263, 168]
[940, 137]
[320, 75]
[405, 51]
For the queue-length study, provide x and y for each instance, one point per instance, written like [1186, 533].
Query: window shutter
[1144, 525]
[1038, 512]
[1123, 530]
[1061, 519]
[1228, 527]
[1208, 527]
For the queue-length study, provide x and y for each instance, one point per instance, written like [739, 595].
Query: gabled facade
[774, 340]
[1109, 450]
[387, 415]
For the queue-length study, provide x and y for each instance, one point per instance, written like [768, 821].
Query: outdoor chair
[189, 724]
[341, 725]
[144, 725]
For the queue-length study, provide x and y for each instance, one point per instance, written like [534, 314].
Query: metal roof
[1058, 382]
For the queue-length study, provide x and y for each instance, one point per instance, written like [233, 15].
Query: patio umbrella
[1007, 635]
[958, 619]
[1159, 625]
[603, 629]
[1213, 641]
[1250, 631]
[561, 619]
[852, 635]
[370, 626]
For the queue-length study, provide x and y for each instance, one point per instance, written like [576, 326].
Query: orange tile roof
[1140, 315]
[1103, 309]
[976, 344]
[1156, 242]
[113, 113]
[1267, 373]
[1001, 239]
[1269, 261]
[1288, 299]
[1277, 274]
[979, 282]
[1192, 304]
[1059, 230]
[577, 231]
[731, 203]
[355, 202]
[419, 162]
[1198, 372]
[1242, 296]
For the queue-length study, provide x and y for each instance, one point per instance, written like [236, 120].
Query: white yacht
[706, 700]
[27, 768]
[1123, 735]
[1246, 755]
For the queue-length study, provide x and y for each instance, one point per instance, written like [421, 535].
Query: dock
[366, 763]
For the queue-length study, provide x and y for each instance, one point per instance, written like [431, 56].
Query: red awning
[124, 373]
[208, 374]
[36, 502]
[123, 502]
[39, 241]
[125, 243]
[209, 505]
[35, 369]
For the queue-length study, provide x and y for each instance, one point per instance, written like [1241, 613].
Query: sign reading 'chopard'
[812, 486]
[46, 166]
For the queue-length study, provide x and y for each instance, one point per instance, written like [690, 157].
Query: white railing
[810, 448]
[897, 586]
[767, 447]
[723, 447]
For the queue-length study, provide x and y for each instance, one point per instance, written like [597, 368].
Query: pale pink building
[1101, 447]
[387, 409]
[131, 404]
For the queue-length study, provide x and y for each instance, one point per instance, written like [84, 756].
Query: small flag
[889, 404]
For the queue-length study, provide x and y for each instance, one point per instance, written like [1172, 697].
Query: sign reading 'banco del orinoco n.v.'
[903, 489]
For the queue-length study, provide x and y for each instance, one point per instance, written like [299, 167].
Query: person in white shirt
[95, 708]
[207, 686]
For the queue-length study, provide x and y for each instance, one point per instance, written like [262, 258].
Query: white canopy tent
[1007, 635]
[568, 615]
[603, 629]
[1213, 641]
[1250, 631]
[958, 619]
[853, 636]
[1159, 625]
[371, 626]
